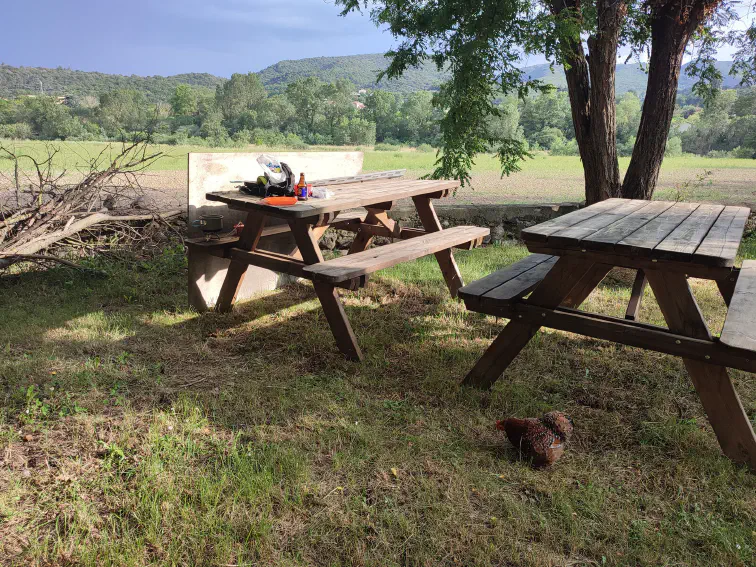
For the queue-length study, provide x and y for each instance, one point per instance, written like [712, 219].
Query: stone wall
[505, 221]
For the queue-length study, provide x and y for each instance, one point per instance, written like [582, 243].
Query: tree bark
[672, 26]
[602, 65]
[594, 109]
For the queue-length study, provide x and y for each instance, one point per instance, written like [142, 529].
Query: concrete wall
[209, 172]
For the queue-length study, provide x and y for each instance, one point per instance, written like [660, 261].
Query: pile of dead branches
[42, 205]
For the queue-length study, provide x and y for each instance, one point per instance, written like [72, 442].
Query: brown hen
[541, 440]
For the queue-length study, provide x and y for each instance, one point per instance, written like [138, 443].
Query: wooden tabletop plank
[344, 192]
[346, 196]
[739, 330]
[363, 263]
[606, 238]
[643, 241]
[542, 231]
[572, 236]
[683, 240]
[522, 283]
[720, 246]
[445, 238]
[491, 281]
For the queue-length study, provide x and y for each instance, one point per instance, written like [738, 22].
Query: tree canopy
[481, 43]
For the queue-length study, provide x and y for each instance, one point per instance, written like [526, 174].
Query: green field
[543, 179]
[134, 431]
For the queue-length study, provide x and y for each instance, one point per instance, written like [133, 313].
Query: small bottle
[302, 188]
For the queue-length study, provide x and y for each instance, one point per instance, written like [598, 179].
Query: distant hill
[361, 70]
[16, 81]
[630, 77]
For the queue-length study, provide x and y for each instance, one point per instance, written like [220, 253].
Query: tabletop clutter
[277, 185]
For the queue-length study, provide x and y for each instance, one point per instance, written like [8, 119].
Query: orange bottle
[301, 188]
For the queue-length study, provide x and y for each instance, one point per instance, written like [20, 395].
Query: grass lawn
[543, 179]
[134, 431]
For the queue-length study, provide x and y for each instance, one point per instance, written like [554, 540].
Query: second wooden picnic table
[308, 220]
[665, 242]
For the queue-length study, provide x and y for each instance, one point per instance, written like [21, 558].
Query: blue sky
[166, 37]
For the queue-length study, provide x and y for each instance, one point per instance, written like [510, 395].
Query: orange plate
[280, 201]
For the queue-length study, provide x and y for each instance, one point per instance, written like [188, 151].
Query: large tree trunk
[594, 109]
[671, 29]
[578, 87]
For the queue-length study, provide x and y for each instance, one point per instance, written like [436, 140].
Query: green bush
[744, 153]
[242, 137]
[719, 154]
[17, 131]
[674, 147]
[425, 148]
[626, 149]
[383, 147]
[550, 138]
[295, 142]
[569, 148]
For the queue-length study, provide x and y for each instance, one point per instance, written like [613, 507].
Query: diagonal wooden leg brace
[712, 382]
[445, 258]
[568, 283]
[307, 242]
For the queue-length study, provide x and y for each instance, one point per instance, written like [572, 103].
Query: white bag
[272, 168]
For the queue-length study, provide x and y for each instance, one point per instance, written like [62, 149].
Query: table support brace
[568, 274]
[307, 241]
[712, 382]
[445, 259]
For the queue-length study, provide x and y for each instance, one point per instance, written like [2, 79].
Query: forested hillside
[631, 77]
[15, 81]
[242, 111]
[360, 70]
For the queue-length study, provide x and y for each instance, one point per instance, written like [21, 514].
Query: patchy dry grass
[136, 432]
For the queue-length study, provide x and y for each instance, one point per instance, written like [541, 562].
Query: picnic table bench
[665, 242]
[308, 220]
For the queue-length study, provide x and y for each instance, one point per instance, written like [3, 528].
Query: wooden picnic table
[665, 242]
[308, 220]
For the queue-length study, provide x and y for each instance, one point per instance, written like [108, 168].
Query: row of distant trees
[241, 112]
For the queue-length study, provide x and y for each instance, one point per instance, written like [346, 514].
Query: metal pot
[209, 223]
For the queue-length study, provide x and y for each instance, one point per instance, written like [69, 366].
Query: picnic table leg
[580, 291]
[250, 236]
[363, 239]
[727, 285]
[568, 273]
[317, 234]
[307, 241]
[337, 320]
[712, 382]
[636, 295]
[445, 259]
